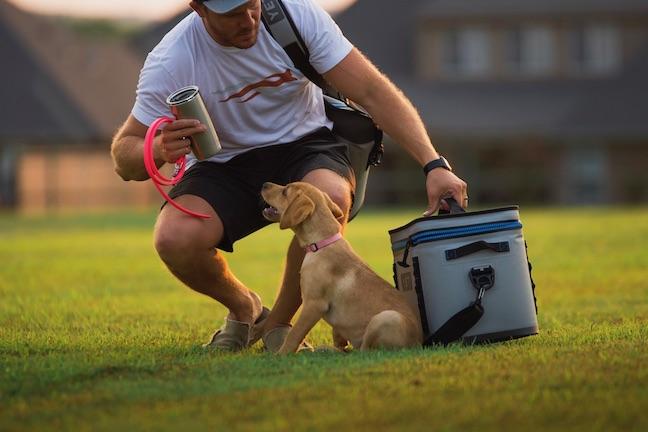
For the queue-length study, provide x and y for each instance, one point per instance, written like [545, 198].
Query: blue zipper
[447, 233]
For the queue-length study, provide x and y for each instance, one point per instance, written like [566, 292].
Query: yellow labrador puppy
[361, 307]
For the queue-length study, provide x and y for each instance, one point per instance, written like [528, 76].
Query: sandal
[274, 339]
[234, 335]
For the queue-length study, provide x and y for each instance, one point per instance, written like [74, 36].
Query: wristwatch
[436, 163]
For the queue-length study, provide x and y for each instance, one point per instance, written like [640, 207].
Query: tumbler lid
[180, 96]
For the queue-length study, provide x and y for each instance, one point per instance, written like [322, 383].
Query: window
[594, 49]
[586, 175]
[529, 50]
[466, 52]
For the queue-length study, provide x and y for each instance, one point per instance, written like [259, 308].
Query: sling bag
[351, 124]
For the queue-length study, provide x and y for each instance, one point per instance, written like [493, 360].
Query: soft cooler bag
[468, 275]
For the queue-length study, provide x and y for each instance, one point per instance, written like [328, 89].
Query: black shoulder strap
[280, 25]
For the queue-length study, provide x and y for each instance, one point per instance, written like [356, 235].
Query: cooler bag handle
[455, 208]
[471, 248]
[482, 279]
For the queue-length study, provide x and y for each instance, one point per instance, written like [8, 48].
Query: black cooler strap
[457, 326]
[482, 279]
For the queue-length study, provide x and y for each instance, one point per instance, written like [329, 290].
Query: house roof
[63, 85]
[146, 40]
[34, 104]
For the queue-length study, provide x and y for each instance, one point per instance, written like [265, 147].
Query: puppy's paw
[342, 346]
[339, 341]
[331, 349]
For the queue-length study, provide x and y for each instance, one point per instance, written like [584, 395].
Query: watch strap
[441, 162]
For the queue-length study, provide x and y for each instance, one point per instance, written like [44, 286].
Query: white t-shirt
[256, 97]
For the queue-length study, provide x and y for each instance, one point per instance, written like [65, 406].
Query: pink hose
[158, 179]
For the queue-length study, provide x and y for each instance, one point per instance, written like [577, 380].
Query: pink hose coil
[158, 179]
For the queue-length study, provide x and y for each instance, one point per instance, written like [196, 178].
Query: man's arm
[127, 148]
[360, 81]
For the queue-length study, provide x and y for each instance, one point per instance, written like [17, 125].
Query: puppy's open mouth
[271, 213]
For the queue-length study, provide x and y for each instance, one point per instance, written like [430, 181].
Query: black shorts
[233, 188]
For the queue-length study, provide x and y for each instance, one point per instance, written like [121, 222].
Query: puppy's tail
[387, 329]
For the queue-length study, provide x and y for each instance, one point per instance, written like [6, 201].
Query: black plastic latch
[482, 277]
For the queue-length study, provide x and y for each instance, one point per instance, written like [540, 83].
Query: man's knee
[343, 200]
[178, 238]
[336, 186]
[170, 246]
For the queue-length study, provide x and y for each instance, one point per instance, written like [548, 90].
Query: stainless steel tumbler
[186, 103]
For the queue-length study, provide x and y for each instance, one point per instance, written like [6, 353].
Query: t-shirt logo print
[274, 80]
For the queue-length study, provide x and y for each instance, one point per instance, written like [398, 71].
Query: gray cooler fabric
[434, 258]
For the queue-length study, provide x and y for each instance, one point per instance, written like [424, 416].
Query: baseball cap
[223, 6]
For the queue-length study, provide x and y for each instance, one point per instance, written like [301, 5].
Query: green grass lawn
[96, 335]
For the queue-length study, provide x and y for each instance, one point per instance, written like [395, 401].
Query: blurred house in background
[532, 101]
[63, 95]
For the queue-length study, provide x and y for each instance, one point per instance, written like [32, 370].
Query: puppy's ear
[335, 209]
[298, 210]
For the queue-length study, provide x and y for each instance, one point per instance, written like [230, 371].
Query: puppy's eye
[284, 192]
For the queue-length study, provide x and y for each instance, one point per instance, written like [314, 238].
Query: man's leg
[289, 298]
[187, 246]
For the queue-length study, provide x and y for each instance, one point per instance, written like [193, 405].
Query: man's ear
[298, 210]
[335, 209]
[198, 7]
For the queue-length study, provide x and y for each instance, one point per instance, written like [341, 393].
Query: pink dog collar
[314, 247]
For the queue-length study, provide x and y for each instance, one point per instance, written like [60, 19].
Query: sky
[139, 9]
